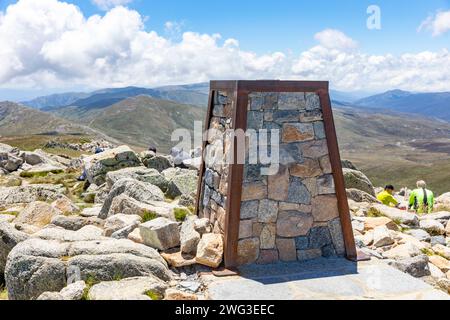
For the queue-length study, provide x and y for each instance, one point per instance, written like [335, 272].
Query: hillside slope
[395, 148]
[139, 121]
[16, 119]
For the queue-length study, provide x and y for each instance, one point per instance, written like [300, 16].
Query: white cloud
[108, 4]
[335, 39]
[51, 44]
[438, 24]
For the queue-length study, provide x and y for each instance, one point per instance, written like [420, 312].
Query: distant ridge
[433, 104]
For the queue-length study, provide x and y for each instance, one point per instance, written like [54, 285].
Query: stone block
[292, 101]
[249, 209]
[254, 191]
[297, 132]
[248, 251]
[245, 229]
[267, 211]
[286, 249]
[278, 185]
[297, 192]
[160, 233]
[293, 223]
[210, 250]
[324, 208]
[309, 168]
[325, 185]
[268, 236]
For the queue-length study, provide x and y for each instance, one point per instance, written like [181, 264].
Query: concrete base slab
[321, 279]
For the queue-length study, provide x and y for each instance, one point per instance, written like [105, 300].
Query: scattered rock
[444, 284]
[142, 174]
[125, 231]
[98, 165]
[137, 190]
[438, 240]
[202, 226]
[38, 214]
[160, 233]
[372, 223]
[433, 227]
[138, 288]
[406, 250]
[86, 233]
[74, 223]
[396, 215]
[381, 236]
[189, 237]
[120, 221]
[178, 259]
[181, 181]
[360, 196]
[435, 272]
[74, 291]
[416, 266]
[51, 296]
[127, 205]
[29, 193]
[440, 262]
[9, 238]
[443, 201]
[91, 212]
[210, 250]
[173, 294]
[135, 236]
[65, 205]
[35, 266]
[357, 180]
[158, 162]
[419, 234]
[442, 251]
[347, 164]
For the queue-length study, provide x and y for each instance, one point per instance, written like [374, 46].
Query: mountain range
[408, 130]
[196, 94]
[427, 104]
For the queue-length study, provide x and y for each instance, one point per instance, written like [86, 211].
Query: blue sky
[280, 25]
[262, 28]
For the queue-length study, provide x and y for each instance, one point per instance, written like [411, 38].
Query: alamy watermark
[374, 19]
[233, 146]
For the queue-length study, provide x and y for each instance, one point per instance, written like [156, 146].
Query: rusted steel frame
[335, 161]
[235, 180]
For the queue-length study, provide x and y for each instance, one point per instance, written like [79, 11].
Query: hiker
[386, 197]
[152, 149]
[421, 199]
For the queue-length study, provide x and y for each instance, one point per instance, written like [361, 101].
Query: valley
[390, 146]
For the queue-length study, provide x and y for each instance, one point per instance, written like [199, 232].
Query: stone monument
[271, 180]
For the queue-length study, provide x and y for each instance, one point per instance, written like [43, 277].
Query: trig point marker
[274, 189]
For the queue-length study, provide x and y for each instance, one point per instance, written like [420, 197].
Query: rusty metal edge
[335, 161]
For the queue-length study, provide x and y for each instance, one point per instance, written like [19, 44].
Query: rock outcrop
[98, 165]
[357, 180]
[35, 266]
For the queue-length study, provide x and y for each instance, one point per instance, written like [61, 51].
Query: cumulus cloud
[108, 4]
[335, 39]
[438, 24]
[51, 44]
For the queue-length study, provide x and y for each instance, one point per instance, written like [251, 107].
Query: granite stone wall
[293, 214]
[214, 184]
